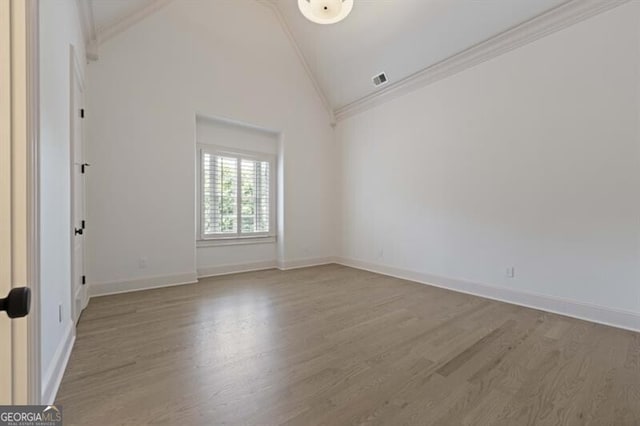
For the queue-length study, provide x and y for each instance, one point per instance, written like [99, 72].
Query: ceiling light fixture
[325, 11]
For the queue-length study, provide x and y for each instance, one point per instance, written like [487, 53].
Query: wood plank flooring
[332, 345]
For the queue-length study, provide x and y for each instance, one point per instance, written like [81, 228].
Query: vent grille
[380, 79]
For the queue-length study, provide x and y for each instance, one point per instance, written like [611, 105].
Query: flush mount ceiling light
[325, 11]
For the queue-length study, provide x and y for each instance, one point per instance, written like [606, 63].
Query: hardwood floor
[337, 346]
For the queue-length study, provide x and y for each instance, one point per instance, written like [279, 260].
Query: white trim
[33, 201]
[123, 23]
[215, 271]
[303, 60]
[236, 241]
[148, 283]
[238, 155]
[53, 377]
[554, 20]
[106, 289]
[75, 68]
[288, 265]
[599, 314]
[76, 77]
[627, 320]
[87, 22]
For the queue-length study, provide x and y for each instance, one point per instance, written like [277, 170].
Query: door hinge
[81, 112]
[83, 223]
[83, 167]
[84, 279]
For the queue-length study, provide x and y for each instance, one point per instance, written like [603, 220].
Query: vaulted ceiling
[108, 13]
[398, 37]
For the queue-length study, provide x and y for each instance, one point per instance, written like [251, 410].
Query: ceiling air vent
[380, 79]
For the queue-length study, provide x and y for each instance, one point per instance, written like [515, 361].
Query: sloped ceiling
[108, 13]
[102, 19]
[398, 37]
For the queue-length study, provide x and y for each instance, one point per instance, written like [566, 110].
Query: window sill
[220, 242]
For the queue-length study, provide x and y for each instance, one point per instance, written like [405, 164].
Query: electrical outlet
[511, 272]
[142, 262]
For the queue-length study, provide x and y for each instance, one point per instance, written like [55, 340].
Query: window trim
[205, 240]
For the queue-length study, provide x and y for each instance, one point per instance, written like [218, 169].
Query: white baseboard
[55, 372]
[261, 266]
[305, 263]
[599, 314]
[214, 271]
[104, 289]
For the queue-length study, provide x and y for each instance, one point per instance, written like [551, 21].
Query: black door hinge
[81, 112]
[84, 279]
[83, 224]
[83, 167]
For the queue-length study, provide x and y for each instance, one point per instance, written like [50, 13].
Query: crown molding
[88, 26]
[303, 60]
[125, 22]
[554, 20]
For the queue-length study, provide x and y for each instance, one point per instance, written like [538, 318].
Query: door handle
[77, 231]
[17, 302]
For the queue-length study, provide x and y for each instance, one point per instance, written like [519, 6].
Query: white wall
[59, 29]
[218, 132]
[530, 160]
[218, 59]
[214, 260]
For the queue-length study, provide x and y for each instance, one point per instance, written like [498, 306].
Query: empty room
[320, 212]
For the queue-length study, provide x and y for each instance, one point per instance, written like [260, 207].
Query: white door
[78, 223]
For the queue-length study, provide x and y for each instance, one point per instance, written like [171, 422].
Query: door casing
[79, 294]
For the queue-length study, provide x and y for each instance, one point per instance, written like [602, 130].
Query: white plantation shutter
[254, 181]
[220, 194]
[236, 195]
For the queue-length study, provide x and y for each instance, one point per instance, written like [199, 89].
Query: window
[237, 195]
